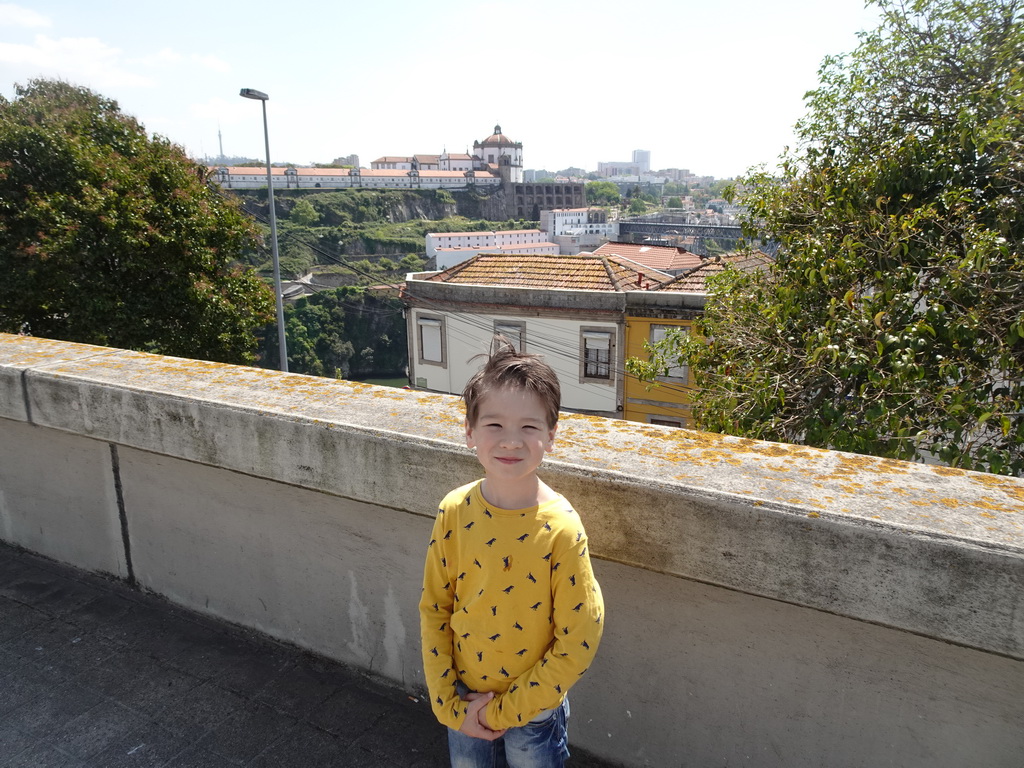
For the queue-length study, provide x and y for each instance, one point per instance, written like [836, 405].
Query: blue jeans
[542, 744]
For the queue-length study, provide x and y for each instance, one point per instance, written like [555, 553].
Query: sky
[712, 87]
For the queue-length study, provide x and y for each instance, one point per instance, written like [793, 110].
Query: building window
[514, 332]
[431, 332]
[597, 347]
[679, 374]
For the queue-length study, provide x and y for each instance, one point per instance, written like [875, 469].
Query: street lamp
[252, 93]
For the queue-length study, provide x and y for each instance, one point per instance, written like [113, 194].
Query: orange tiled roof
[654, 256]
[582, 272]
[257, 171]
[694, 281]
[423, 174]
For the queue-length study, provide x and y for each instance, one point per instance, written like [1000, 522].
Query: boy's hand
[475, 724]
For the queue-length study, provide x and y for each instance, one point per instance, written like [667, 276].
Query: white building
[578, 229]
[451, 248]
[350, 178]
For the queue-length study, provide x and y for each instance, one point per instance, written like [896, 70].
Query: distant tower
[220, 141]
[499, 153]
[642, 160]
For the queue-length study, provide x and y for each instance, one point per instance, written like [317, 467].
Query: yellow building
[648, 317]
[668, 402]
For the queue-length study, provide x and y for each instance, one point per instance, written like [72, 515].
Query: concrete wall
[767, 605]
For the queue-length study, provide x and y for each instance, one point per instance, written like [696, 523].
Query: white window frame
[514, 331]
[431, 322]
[594, 338]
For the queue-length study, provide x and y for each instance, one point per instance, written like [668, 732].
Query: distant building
[530, 200]
[498, 153]
[238, 177]
[451, 248]
[640, 165]
[578, 229]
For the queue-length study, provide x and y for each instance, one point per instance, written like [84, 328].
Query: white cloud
[163, 56]
[211, 62]
[225, 111]
[12, 15]
[78, 59]
[170, 57]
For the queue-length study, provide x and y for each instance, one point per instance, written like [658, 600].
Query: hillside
[323, 227]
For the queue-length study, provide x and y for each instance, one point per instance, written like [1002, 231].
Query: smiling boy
[511, 614]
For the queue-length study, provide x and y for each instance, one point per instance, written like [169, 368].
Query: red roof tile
[694, 281]
[582, 272]
[654, 256]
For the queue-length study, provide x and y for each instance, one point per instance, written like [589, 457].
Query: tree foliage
[108, 236]
[343, 333]
[602, 193]
[893, 321]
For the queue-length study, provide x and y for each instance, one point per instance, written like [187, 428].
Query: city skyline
[715, 92]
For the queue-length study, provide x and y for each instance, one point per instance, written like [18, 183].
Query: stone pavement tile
[207, 706]
[12, 563]
[352, 710]
[148, 747]
[306, 746]
[16, 619]
[13, 741]
[200, 757]
[44, 756]
[215, 656]
[161, 689]
[247, 732]
[96, 729]
[300, 688]
[102, 615]
[112, 679]
[45, 713]
[254, 671]
[54, 589]
[19, 581]
[23, 682]
[155, 627]
[410, 733]
[60, 646]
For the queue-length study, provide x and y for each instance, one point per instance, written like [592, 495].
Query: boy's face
[511, 434]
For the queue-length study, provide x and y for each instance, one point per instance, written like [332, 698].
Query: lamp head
[252, 93]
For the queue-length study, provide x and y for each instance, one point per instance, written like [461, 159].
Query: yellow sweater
[510, 604]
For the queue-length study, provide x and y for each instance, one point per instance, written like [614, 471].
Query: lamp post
[260, 96]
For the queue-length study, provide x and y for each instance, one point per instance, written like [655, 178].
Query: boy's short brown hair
[507, 367]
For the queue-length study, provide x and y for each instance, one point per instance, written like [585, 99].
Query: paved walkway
[94, 674]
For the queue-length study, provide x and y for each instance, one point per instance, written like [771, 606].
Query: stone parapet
[297, 505]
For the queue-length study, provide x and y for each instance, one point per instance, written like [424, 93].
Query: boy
[511, 614]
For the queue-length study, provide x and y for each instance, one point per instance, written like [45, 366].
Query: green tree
[304, 214]
[325, 331]
[602, 193]
[674, 202]
[636, 205]
[108, 236]
[892, 321]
